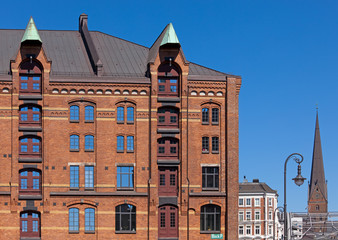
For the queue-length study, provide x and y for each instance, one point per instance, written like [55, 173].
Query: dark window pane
[89, 113]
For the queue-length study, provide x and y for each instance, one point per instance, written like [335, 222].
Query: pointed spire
[170, 36]
[31, 33]
[317, 171]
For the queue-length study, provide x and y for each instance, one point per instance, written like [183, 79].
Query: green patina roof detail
[170, 36]
[31, 33]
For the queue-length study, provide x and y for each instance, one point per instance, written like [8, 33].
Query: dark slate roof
[317, 171]
[69, 57]
[255, 187]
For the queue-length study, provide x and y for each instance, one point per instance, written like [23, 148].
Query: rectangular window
[214, 116]
[23, 117]
[89, 113]
[205, 144]
[248, 202]
[248, 215]
[120, 143]
[36, 86]
[35, 226]
[74, 176]
[24, 86]
[241, 202]
[24, 226]
[23, 183]
[89, 176]
[36, 184]
[130, 114]
[270, 230]
[257, 230]
[257, 202]
[89, 220]
[241, 216]
[270, 215]
[205, 115]
[73, 215]
[270, 201]
[215, 143]
[257, 215]
[240, 230]
[125, 177]
[248, 230]
[120, 114]
[210, 178]
[36, 117]
[130, 144]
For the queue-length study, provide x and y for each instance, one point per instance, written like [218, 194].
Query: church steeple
[317, 201]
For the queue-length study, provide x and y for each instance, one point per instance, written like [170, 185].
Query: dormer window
[30, 78]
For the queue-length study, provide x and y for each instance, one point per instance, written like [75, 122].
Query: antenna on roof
[245, 180]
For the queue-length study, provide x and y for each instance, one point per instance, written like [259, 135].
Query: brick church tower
[317, 199]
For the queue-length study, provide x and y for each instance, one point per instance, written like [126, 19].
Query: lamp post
[299, 180]
[274, 222]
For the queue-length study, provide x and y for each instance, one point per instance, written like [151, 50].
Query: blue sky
[285, 51]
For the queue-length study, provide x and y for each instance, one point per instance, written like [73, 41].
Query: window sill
[210, 189]
[205, 152]
[125, 232]
[74, 189]
[130, 122]
[205, 123]
[89, 188]
[120, 151]
[30, 128]
[209, 232]
[89, 232]
[30, 197]
[89, 150]
[120, 122]
[73, 232]
[30, 160]
[125, 189]
[214, 123]
[130, 151]
[89, 121]
[30, 96]
[215, 152]
[74, 150]
[74, 121]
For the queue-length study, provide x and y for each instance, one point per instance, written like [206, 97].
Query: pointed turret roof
[167, 37]
[317, 171]
[31, 32]
[170, 36]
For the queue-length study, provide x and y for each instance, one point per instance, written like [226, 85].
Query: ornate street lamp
[299, 180]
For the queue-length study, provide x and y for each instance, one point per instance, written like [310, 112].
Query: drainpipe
[188, 164]
[148, 232]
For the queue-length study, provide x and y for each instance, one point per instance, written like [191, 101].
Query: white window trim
[259, 202]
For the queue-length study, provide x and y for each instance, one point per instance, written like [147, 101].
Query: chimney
[83, 20]
[255, 180]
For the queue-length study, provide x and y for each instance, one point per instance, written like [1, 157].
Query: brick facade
[106, 93]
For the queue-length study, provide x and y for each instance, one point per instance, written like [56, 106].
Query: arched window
[30, 146]
[30, 224]
[74, 113]
[210, 218]
[89, 113]
[167, 117]
[30, 115]
[89, 143]
[125, 218]
[214, 114]
[89, 220]
[73, 215]
[74, 142]
[130, 143]
[30, 78]
[168, 78]
[167, 148]
[30, 182]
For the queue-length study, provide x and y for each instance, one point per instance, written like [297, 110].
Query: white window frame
[259, 215]
[257, 202]
[270, 215]
[257, 227]
[246, 215]
[248, 227]
[239, 214]
[270, 230]
[248, 202]
[270, 201]
[241, 227]
[239, 202]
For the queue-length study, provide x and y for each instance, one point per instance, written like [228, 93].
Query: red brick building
[106, 139]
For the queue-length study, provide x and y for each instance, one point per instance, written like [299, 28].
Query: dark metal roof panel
[120, 57]
[67, 52]
[195, 69]
[9, 46]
